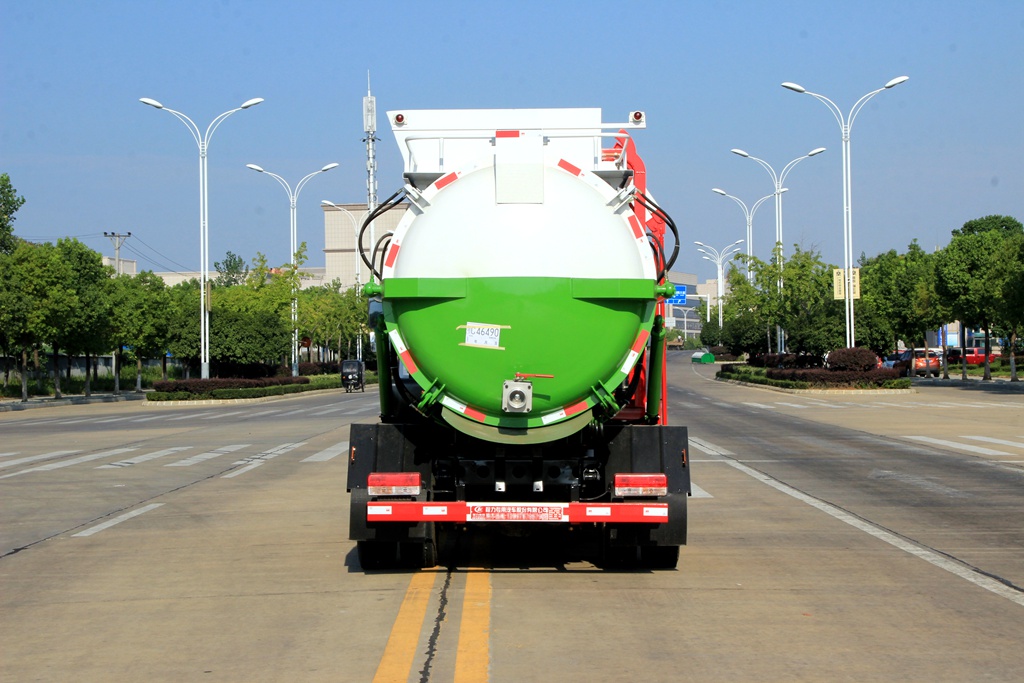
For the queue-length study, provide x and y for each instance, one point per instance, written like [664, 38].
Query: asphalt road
[832, 537]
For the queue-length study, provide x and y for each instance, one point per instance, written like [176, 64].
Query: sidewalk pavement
[10, 404]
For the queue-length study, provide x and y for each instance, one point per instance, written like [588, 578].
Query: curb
[842, 392]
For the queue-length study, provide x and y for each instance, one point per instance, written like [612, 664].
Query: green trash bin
[702, 357]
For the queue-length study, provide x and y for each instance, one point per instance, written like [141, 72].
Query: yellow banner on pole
[838, 284]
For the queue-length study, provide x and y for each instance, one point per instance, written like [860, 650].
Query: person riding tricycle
[352, 372]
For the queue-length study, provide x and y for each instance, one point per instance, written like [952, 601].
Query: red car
[975, 355]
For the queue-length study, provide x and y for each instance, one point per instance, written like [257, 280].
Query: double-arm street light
[779, 179]
[749, 214]
[845, 125]
[719, 257]
[204, 231]
[292, 200]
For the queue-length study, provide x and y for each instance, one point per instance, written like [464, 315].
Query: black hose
[388, 204]
[653, 207]
[382, 249]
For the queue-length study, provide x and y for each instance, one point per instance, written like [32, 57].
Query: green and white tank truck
[518, 312]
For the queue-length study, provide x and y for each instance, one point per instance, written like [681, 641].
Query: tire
[377, 554]
[659, 556]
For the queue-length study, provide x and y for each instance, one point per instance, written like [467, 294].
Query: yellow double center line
[473, 654]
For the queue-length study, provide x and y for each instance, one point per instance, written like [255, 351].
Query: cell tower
[370, 127]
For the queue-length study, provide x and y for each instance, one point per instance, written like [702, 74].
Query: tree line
[60, 300]
[977, 279]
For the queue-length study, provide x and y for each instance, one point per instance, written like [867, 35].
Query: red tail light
[640, 485]
[393, 484]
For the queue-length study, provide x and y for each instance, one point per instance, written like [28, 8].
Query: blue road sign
[680, 298]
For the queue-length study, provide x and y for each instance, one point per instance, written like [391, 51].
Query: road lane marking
[144, 458]
[73, 461]
[265, 412]
[472, 657]
[957, 446]
[33, 458]
[147, 419]
[117, 520]
[396, 663]
[114, 419]
[220, 415]
[253, 461]
[329, 410]
[698, 492]
[932, 557]
[1001, 442]
[328, 453]
[189, 417]
[763, 406]
[209, 455]
[4, 455]
[791, 405]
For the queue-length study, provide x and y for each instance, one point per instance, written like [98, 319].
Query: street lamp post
[845, 125]
[355, 233]
[204, 233]
[719, 257]
[292, 201]
[779, 179]
[749, 214]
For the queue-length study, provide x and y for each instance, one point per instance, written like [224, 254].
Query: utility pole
[118, 239]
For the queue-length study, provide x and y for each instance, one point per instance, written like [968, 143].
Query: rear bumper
[464, 512]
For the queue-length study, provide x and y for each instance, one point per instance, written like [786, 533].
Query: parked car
[914, 362]
[890, 360]
[975, 355]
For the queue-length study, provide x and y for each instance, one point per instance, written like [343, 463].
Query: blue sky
[945, 147]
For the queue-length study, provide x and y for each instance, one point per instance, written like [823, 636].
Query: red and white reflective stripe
[403, 352]
[572, 513]
[634, 352]
[566, 166]
[446, 180]
[389, 262]
[462, 408]
[634, 223]
[507, 133]
[564, 412]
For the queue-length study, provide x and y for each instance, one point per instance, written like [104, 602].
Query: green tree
[137, 320]
[968, 279]
[233, 270]
[84, 332]
[183, 337]
[10, 202]
[1009, 272]
[35, 299]
[811, 317]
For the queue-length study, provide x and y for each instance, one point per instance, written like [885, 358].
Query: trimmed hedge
[816, 378]
[206, 386]
[787, 360]
[859, 359]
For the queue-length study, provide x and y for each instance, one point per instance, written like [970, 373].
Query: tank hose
[653, 207]
[388, 204]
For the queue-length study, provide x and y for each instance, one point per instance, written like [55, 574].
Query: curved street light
[779, 179]
[292, 203]
[719, 257]
[845, 125]
[749, 214]
[203, 141]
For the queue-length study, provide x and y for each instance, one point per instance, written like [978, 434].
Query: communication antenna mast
[370, 127]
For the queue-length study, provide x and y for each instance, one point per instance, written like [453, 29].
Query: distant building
[341, 229]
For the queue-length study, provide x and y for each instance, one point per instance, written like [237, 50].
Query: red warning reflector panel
[393, 484]
[640, 485]
[463, 512]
